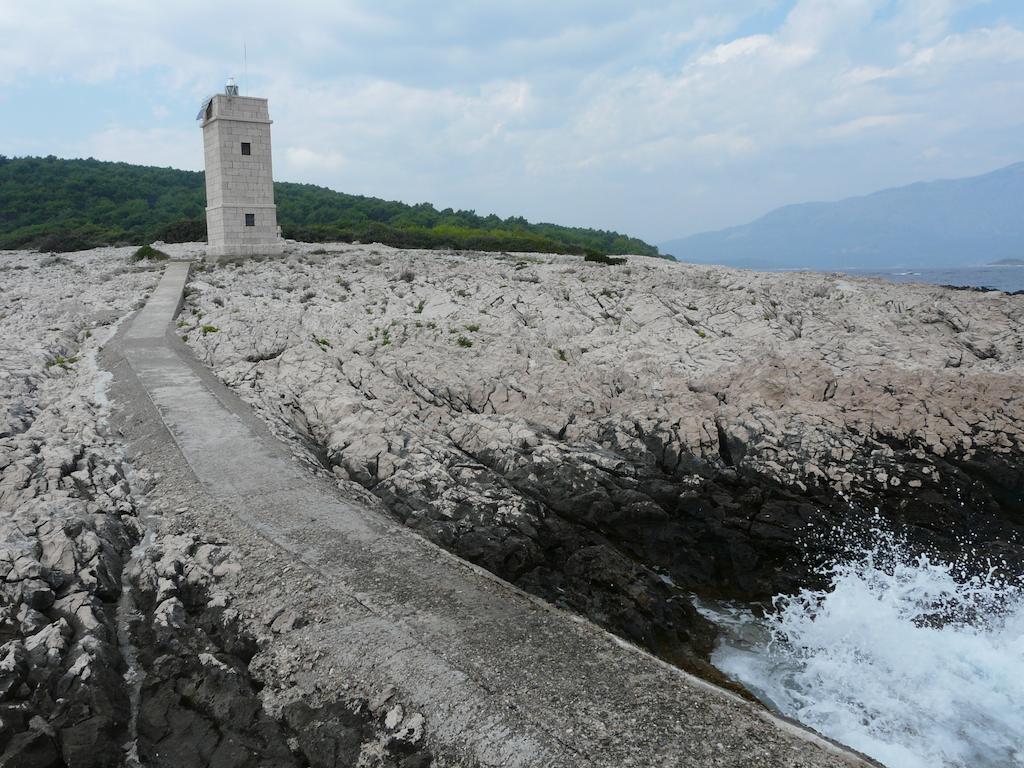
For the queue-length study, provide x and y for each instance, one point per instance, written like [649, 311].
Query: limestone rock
[614, 439]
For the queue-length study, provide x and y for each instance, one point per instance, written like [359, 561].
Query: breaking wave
[909, 660]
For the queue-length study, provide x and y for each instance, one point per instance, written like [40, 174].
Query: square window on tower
[250, 219]
[246, 148]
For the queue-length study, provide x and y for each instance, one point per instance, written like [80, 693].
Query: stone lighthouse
[241, 219]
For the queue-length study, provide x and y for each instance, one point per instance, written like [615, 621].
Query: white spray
[901, 657]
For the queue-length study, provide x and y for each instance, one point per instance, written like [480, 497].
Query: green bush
[181, 231]
[75, 204]
[600, 258]
[77, 239]
[149, 253]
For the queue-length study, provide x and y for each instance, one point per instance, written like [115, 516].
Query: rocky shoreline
[613, 439]
[616, 439]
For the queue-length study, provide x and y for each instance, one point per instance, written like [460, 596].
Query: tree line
[55, 204]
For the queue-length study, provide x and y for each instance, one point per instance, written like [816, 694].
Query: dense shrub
[599, 258]
[150, 253]
[182, 231]
[72, 204]
[63, 240]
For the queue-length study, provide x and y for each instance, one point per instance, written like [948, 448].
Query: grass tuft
[600, 258]
[149, 253]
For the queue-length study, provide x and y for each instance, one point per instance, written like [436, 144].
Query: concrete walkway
[502, 678]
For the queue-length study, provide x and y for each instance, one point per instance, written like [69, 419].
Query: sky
[655, 118]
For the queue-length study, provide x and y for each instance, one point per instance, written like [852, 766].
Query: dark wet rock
[30, 749]
[329, 736]
[37, 594]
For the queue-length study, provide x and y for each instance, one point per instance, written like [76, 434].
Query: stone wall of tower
[238, 184]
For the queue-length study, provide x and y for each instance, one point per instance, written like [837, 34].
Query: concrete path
[502, 678]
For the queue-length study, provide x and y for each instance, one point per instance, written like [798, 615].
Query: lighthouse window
[246, 148]
[250, 219]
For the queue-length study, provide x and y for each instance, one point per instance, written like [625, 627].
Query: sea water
[908, 659]
[1009, 278]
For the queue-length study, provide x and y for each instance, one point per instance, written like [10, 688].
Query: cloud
[1001, 44]
[582, 112]
[174, 147]
[866, 123]
[306, 159]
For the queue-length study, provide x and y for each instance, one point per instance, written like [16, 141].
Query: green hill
[61, 205]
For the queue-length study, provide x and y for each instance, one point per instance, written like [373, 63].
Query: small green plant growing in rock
[561, 355]
[462, 341]
[324, 343]
[385, 337]
[600, 258]
[473, 327]
[182, 324]
[419, 306]
[701, 333]
[207, 329]
[149, 253]
[62, 362]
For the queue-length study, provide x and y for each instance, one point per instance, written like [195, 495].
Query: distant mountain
[64, 205]
[976, 220]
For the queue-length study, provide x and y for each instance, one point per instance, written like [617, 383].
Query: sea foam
[904, 658]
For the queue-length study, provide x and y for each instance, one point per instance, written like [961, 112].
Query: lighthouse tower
[241, 219]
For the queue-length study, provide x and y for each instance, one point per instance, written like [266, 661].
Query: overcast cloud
[658, 119]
